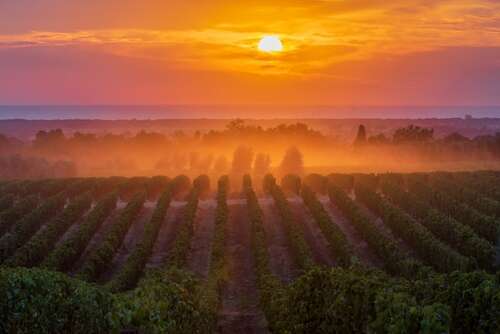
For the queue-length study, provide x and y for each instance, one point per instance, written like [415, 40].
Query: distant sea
[115, 112]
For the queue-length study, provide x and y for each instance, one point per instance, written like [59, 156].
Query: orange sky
[338, 52]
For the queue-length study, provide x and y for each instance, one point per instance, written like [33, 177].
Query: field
[340, 253]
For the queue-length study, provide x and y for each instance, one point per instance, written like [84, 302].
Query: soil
[199, 256]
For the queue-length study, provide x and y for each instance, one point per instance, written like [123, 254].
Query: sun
[270, 44]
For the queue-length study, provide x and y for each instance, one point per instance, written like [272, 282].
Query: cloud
[316, 34]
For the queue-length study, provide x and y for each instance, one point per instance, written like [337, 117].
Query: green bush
[39, 301]
[164, 302]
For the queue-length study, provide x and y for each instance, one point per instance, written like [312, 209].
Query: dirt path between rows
[281, 258]
[240, 312]
[132, 238]
[198, 260]
[166, 235]
[361, 247]
[313, 235]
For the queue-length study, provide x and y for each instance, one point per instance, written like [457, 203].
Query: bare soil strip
[132, 238]
[240, 312]
[312, 233]
[361, 248]
[96, 239]
[198, 260]
[167, 234]
[280, 255]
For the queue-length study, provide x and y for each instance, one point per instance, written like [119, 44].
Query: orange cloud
[316, 34]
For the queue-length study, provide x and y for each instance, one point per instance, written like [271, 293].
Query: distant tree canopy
[237, 129]
[379, 139]
[455, 137]
[242, 160]
[293, 162]
[361, 136]
[262, 164]
[413, 134]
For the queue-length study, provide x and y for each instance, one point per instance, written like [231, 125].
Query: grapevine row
[427, 246]
[459, 236]
[483, 225]
[6, 202]
[27, 226]
[464, 194]
[337, 241]
[129, 274]
[178, 255]
[9, 217]
[395, 260]
[42, 243]
[65, 254]
[218, 264]
[100, 258]
[300, 248]
[270, 287]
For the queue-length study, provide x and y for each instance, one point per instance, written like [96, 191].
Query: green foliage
[21, 208]
[459, 236]
[395, 260]
[6, 201]
[473, 298]
[270, 288]
[38, 301]
[164, 302]
[300, 248]
[100, 258]
[130, 272]
[218, 270]
[337, 241]
[485, 226]
[178, 254]
[445, 183]
[350, 301]
[427, 246]
[63, 257]
[26, 227]
[42, 243]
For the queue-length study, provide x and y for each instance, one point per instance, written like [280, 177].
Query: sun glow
[270, 44]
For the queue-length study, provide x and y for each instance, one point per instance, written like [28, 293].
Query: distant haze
[242, 111]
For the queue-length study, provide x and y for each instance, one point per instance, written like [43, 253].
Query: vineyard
[338, 253]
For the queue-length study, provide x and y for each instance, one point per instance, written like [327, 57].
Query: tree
[242, 160]
[262, 164]
[292, 162]
[361, 136]
[413, 134]
[379, 139]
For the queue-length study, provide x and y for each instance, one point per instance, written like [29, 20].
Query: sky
[336, 52]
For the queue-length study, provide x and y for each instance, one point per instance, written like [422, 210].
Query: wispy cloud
[316, 34]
